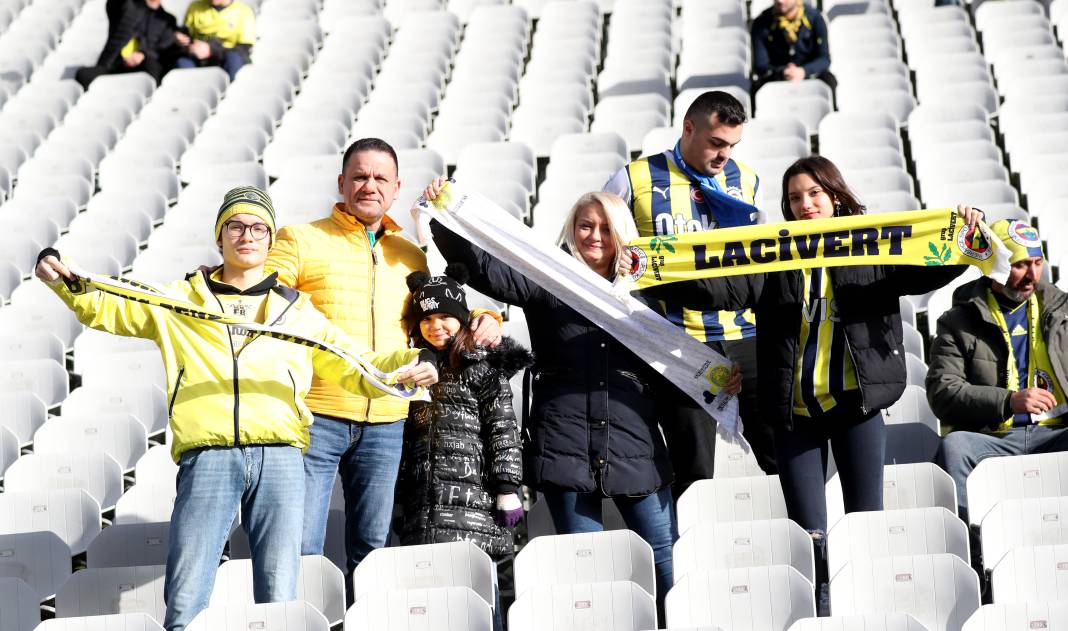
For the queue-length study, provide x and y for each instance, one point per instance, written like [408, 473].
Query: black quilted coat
[593, 424]
[460, 450]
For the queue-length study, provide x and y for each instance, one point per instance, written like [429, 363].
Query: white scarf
[682, 360]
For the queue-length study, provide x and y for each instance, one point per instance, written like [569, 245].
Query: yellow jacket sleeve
[105, 312]
[246, 30]
[285, 258]
[332, 368]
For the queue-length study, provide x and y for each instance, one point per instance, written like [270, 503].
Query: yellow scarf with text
[917, 237]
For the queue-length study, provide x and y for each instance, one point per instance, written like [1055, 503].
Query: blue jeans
[652, 517]
[266, 483]
[231, 63]
[367, 455]
[962, 451]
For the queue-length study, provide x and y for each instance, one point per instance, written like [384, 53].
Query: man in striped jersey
[697, 186]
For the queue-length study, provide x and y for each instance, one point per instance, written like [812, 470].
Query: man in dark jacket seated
[790, 44]
[999, 366]
[142, 37]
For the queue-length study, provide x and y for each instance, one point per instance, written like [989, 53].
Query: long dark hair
[461, 344]
[830, 180]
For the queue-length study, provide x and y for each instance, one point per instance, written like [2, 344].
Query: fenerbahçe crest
[972, 242]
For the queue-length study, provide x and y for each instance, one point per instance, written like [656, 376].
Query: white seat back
[618, 606]
[1024, 616]
[939, 590]
[115, 622]
[436, 609]
[1023, 522]
[896, 532]
[320, 583]
[40, 558]
[731, 499]
[1014, 477]
[728, 545]
[72, 514]
[102, 591]
[295, 615]
[613, 555]
[459, 564]
[743, 599]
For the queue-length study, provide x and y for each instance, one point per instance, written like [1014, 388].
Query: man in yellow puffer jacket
[237, 406]
[353, 264]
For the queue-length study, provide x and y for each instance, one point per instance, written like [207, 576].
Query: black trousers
[691, 432]
[87, 74]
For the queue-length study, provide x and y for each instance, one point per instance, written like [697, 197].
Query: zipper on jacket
[234, 354]
[237, 402]
[237, 390]
[860, 384]
[296, 402]
[174, 395]
[374, 267]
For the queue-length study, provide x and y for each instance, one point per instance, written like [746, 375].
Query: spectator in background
[354, 264]
[790, 44]
[222, 33]
[142, 37]
[680, 191]
[999, 364]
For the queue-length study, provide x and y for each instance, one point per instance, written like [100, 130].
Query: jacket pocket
[296, 399]
[174, 393]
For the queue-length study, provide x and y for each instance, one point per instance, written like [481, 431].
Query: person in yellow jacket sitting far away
[236, 399]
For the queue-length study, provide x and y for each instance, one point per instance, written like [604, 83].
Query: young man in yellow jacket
[354, 264]
[237, 409]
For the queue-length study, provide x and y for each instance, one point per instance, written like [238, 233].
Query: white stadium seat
[289, 616]
[744, 599]
[1025, 616]
[114, 622]
[728, 545]
[731, 499]
[1015, 477]
[436, 565]
[40, 558]
[939, 590]
[617, 555]
[320, 583]
[438, 608]
[618, 606]
[113, 590]
[19, 610]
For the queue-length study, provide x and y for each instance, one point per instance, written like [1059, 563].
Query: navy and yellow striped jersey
[664, 201]
[824, 367]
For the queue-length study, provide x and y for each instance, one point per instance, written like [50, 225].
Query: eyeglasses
[236, 230]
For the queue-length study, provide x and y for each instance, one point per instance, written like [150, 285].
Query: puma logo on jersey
[663, 191]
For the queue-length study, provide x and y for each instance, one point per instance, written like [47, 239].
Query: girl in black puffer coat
[462, 462]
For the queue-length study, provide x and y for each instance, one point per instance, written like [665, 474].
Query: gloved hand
[509, 510]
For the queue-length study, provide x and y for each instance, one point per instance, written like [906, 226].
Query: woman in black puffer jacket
[593, 428]
[462, 463]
